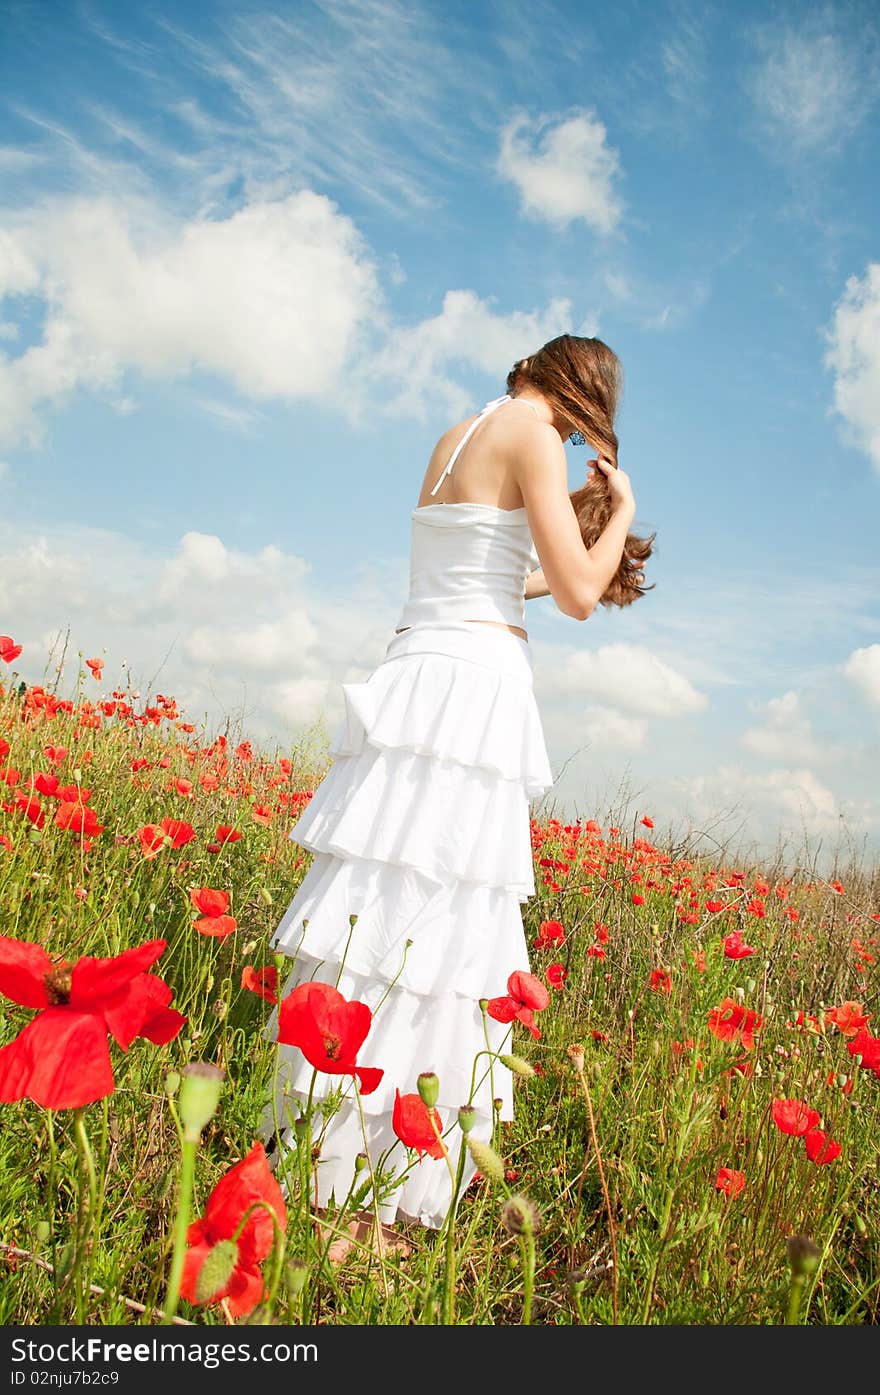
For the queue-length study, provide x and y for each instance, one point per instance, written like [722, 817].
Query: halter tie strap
[484, 412]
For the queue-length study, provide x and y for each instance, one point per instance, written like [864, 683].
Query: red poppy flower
[734, 947]
[97, 667]
[207, 901]
[526, 995]
[249, 1181]
[218, 926]
[649, 823]
[730, 1021]
[714, 906]
[411, 1121]
[226, 834]
[638, 899]
[794, 1117]
[78, 818]
[263, 982]
[329, 1031]
[550, 932]
[868, 1047]
[556, 975]
[179, 832]
[729, 1181]
[9, 650]
[597, 952]
[820, 1148]
[848, 1018]
[61, 1060]
[55, 755]
[151, 839]
[661, 981]
[261, 813]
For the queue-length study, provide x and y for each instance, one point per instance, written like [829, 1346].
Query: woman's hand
[618, 484]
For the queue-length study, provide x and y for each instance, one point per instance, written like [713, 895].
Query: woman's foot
[362, 1232]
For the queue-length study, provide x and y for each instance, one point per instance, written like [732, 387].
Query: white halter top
[468, 561]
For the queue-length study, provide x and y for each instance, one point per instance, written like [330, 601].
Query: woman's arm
[576, 577]
[536, 585]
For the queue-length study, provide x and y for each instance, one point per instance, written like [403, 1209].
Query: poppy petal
[369, 1077]
[23, 967]
[246, 1182]
[61, 1061]
[93, 979]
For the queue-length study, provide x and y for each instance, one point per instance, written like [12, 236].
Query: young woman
[421, 827]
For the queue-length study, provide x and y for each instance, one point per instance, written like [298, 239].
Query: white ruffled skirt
[420, 828]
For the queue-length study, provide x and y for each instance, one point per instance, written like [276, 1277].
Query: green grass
[667, 1114]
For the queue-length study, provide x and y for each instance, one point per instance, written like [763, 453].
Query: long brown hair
[581, 379]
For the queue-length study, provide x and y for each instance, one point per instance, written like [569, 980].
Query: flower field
[697, 1078]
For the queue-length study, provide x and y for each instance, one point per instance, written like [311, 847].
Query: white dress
[421, 828]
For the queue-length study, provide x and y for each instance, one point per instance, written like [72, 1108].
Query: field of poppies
[696, 1075]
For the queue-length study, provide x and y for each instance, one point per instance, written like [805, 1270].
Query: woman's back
[470, 555]
[469, 462]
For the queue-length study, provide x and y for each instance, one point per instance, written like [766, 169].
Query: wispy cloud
[813, 83]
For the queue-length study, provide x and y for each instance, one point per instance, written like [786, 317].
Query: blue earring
[577, 439]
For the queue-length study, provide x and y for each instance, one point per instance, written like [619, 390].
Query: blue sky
[254, 259]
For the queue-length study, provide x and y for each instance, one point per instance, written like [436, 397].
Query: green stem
[53, 1185]
[527, 1250]
[795, 1294]
[448, 1310]
[189, 1149]
[88, 1192]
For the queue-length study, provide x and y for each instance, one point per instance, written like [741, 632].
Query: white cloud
[273, 299]
[280, 300]
[786, 733]
[222, 630]
[786, 797]
[625, 677]
[854, 356]
[811, 87]
[563, 171]
[467, 331]
[862, 668]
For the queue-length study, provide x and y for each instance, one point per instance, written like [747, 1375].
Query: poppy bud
[484, 1003]
[217, 1269]
[750, 985]
[517, 1065]
[42, 1231]
[803, 1255]
[520, 1216]
[428, 1087]
[487, 1159]
[172, 1083]
[199, 1097]
[467, 1116]
[266, 895]
[352, 920]
[297, 1274]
